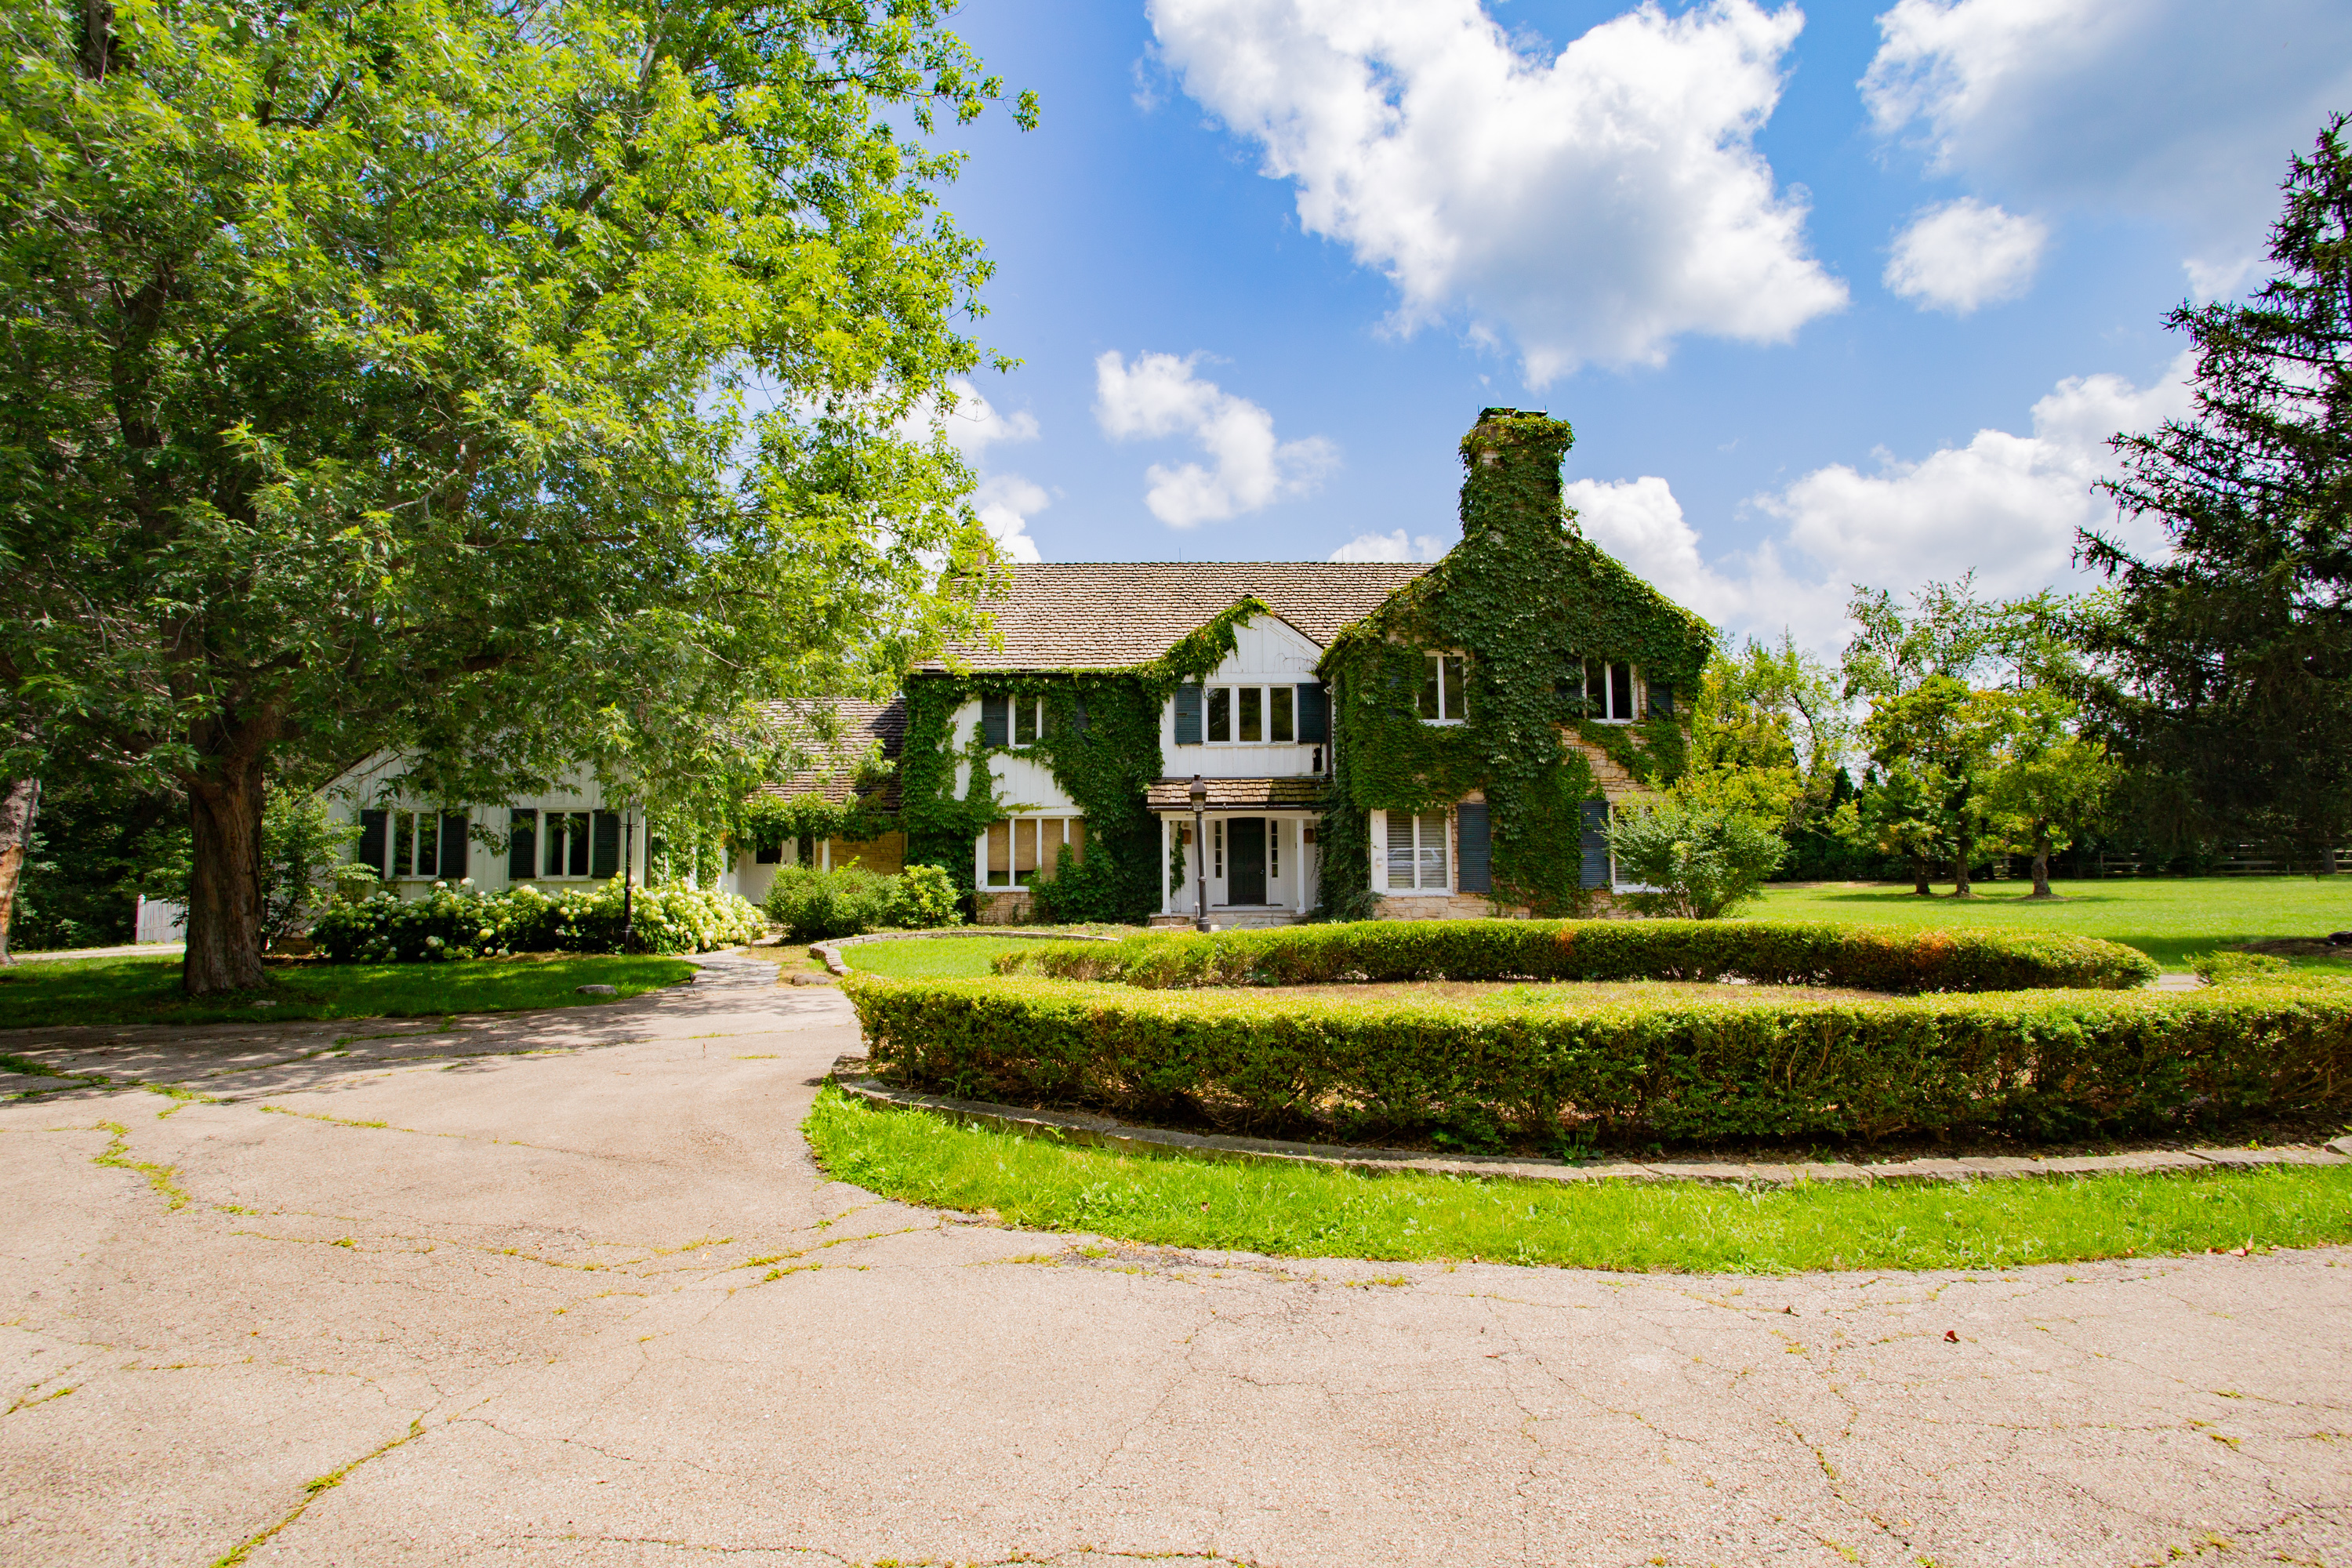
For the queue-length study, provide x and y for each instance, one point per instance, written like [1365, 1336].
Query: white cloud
[1159, 396]
[1965, 254]
[1592, 207]
[1392, 547]
[2004, 506]
[1004, 502]
[2183, 110]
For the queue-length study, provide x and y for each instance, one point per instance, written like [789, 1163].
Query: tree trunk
[17, 808]
[224, 881]
[1960, 889]
[1919, 885]
[2042, 870]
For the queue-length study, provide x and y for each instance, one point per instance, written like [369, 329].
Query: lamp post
[628, 892]
[1199, 856]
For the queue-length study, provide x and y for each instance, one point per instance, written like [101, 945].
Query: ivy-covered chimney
[1511, 481]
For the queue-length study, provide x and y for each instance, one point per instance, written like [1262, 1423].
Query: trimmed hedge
[2035, 1065]
[1780, 952]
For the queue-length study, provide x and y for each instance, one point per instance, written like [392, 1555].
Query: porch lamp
[1199, 856]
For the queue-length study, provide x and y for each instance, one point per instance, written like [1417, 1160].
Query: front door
[1245, 859]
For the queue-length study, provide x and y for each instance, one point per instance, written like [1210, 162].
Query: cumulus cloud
[1595, 206]
[2178, 109]
[1159, 396]
[1390, 547]
[2005, 506]
[1965, 254]
[971, 425]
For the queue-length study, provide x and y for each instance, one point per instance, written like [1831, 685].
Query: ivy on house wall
[1527, 598]
[1101, 745]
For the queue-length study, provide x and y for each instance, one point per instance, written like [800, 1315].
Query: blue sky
[1849, 293]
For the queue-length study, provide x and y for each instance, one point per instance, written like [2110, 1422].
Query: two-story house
[1368, 739]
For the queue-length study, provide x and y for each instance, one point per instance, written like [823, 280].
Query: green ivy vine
[1527, 597]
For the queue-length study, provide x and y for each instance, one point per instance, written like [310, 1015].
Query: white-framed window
[1416, 854]
[1274, 850]
[1250, 715]
[1217, 851]
[1612, 692]
[1016, 852]
[1444, 689]
[405, 846]
[1029, 721]
[565, 838]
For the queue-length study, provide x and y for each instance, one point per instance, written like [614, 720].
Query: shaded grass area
[146, 990]
[2171, 920]
[1677, 1227]
[949, 957]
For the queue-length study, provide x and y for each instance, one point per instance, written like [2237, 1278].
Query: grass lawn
[144, 990]
[1676, 1226]
[931, 958]
[2171, 920]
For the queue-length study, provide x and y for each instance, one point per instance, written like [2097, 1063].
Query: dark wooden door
[1245, 859]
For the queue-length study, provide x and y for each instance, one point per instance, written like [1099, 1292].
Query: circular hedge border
[2065, 1052]
[1777, 952]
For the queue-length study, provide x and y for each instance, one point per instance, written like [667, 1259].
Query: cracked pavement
[566, 1288]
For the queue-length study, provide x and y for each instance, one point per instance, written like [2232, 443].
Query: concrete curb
[1104, 1132]
[830, 951]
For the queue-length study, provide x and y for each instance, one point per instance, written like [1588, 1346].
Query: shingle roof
[1299, 792]
[862, 724]
[1107, 614]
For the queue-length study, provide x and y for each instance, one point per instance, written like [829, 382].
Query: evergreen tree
[2226, 664]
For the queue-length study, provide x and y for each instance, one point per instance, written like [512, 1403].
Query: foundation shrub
[461, 922]
[817, 906]
[2037, 1065]
[1867, 958]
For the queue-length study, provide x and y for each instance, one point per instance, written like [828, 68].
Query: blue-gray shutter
[1474, 839]
[453, 845]
[1661, 699]
[1314, 712]
[1595, 844]
[607, 838]
[522, 845]
[370, 851]
[995, 726]
[1187, 715]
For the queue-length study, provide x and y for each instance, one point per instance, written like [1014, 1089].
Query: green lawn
[143, 990]
[931, 958]
[1682, 1227]
[2171, 920]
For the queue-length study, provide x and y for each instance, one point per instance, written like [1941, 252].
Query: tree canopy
[503, 385]
[2226, 662]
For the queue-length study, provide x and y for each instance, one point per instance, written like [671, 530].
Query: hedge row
[463, 922]
[1787, 952]
[2036, 1064]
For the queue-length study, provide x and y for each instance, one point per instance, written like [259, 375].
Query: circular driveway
[566, 1288]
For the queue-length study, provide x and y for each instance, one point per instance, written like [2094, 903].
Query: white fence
[159, 920]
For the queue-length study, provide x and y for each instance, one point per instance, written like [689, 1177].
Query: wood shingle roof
[1108, 615]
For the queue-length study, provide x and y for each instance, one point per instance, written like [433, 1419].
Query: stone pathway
[567, 1288]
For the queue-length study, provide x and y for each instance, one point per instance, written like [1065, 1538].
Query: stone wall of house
[1013, 907]
[1615, 783]
[1478, 906]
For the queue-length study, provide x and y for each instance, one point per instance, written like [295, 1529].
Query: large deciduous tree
[2228, 659]
[502, 384]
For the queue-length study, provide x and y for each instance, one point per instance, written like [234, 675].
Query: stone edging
[830, 951]
[1103, 1133]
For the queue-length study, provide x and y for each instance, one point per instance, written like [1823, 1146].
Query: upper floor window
[1287, 715]
[1444, 689]
[1609, 692]
[1013, 721]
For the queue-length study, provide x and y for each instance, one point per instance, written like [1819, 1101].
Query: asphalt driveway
[567, 1288]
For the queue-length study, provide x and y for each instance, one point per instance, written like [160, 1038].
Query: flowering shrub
[462, 921]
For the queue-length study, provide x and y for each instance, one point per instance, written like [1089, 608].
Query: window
[1252, 715]
[1217, 840]
[1015, 853]
[1444, 689]
[563, 844]
[1416, 855]
[1029, 723]
[1012, 721]
[400, 846]
[1609, 692]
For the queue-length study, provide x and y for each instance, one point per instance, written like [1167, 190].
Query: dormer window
[1444, 689]
[1608, 690]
